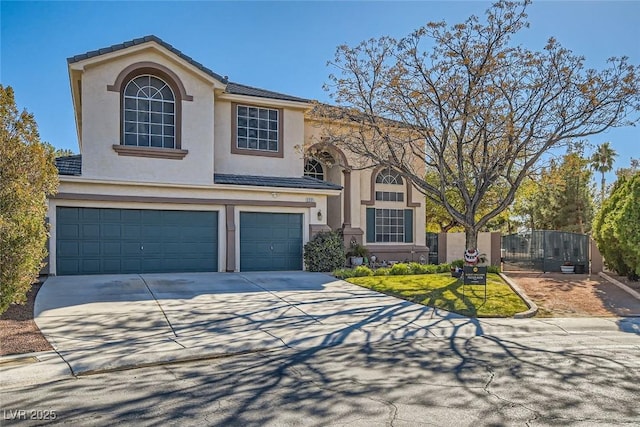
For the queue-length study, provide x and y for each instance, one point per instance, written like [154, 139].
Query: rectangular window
[389, 225]
[389, 196]
[257, 128]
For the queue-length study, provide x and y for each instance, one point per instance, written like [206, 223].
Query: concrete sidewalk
[101, 323]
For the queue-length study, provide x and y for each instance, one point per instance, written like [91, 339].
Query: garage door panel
[90, 215]
[270, 241]
[69, 247]
[111, 231]
[90, 248]
[90, 266]
[131, 231]
[69, 231]
[111, 248]
[98, 241]
[68, 215]
[111, 266]
[130, 216]
[111, 215]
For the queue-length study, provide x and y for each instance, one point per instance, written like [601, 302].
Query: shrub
[443, 268]
[417, 268]
[362, 271]
[400, 269]
[27, 176]
[344, 273]
[493, 269]
[384, 271]
[358, 250]
[616, 228]
[457, 263]
[325, 252]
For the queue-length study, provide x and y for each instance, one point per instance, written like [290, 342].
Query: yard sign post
[474, 275]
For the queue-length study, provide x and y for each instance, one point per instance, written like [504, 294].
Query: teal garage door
[270, 241]
[106, 241]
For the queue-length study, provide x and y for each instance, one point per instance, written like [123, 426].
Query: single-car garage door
[270, 241]
[104, 241]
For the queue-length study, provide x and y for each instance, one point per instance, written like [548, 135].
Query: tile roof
[141, 40]
[69, 165]
[72, 165]
[232, 88]
[275, 181]
[240, 89]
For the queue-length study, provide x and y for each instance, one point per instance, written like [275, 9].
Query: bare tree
[463, 104]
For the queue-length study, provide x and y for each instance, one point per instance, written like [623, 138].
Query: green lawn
[444, 291]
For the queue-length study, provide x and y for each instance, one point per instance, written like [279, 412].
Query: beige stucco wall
[291, 164]
[101, 127]
[456, 243]
[361, 191]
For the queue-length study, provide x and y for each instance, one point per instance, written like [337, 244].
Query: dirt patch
[18, 332]
[575, 295]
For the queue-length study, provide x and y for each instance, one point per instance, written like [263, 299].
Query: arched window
[314, 169]
[149, 113]
[388, 176]
[391, 222]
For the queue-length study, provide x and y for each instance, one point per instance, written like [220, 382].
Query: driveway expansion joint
[159, 306]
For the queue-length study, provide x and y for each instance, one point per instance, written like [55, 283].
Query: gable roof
[141, 40]
[69, 165]
[231, 87]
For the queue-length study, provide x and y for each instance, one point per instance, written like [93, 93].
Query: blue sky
[282, 46]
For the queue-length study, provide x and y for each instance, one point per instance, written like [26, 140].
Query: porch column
[346, 197]
[231, 237]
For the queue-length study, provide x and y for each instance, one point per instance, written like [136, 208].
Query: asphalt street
[589, 378]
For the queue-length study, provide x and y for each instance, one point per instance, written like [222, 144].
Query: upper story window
[151, 97]
[389, 176]
[149, 113]
[257, 128]
[257, 131]
[314, 169]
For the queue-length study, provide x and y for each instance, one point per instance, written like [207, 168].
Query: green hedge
[401, 269]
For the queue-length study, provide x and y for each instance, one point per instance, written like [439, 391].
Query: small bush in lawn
[344, 273]
[384, 271]
[362, 271]
[325, 252]
[459, 263]
[415, 268]
[430, 269]
[493, 269]
[422, 268]
[400, 269]
[443, 268]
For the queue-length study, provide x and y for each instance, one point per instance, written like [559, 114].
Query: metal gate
[545, 251]
[432, 244]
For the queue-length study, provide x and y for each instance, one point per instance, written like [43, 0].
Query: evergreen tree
[27, 176]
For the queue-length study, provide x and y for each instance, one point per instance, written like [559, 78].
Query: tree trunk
[602, 189]
[471, 235]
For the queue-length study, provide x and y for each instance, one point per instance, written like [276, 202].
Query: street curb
[620, 285]
[533, 307]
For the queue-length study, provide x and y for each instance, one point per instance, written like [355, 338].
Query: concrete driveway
[98, 323]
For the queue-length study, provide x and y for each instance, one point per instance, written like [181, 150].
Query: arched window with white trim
[313, 168]
[149, 113]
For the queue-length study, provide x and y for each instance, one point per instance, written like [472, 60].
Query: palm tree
[602, 161]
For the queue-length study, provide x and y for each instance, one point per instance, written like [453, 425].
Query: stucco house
[182, 170]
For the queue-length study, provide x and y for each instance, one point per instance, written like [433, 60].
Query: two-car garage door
[111, 241]
[103, 241]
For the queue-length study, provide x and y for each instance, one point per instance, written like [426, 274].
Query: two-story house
[182, 170]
